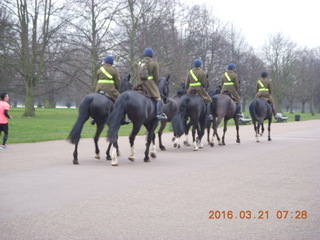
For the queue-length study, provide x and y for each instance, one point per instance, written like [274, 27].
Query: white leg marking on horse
[114, 158]
[195, 146]
[153, 152]
[132, 155]
[176, 142]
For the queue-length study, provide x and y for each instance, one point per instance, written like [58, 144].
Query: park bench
[281, 118]
[243, 120]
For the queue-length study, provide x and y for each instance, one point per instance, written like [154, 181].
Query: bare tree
[35, 30]
[279, 55]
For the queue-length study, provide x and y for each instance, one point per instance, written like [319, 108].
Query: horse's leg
[236, 122]
[114, 158]
[162, 127]
[175, 141]
[224, 131]
[256, 129]
[269, 128]
[96, 139]
[151, 136]
[262, 129]
[186, 133]
[216, 130]
[135, 130]
[194, 140]
[75, 154]
[202, 127]
[108, 151]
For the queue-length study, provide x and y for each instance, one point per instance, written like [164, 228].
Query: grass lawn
[55, 124]
[52, 124]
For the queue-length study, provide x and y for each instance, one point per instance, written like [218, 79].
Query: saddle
[101, 92]
[141, 89]
[194, 91]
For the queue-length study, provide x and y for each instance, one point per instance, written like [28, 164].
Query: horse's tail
[252, 109]
[214, 105]
[114, 120]
[83, 115]
[178, 122]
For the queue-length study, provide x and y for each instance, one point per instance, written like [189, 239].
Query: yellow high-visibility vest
[262, 87]
[197, 83]
[108, 75]
[229, 79]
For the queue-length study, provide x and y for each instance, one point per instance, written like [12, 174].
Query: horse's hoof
[186, 143]
[195, 149]
[257, 141]
[211, 144]
[75, 162]
[108, 158]
[153, 155]
[238, 140]
[179, 146]
[118, 154]
[175, 145]
[269, 139]
[163, 148]
[97, 156]
[131, 159]
[147, 160]
[115, 164]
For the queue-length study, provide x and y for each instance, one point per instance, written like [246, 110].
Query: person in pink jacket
[4, 116]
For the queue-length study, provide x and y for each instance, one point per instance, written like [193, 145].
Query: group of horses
[183, 110]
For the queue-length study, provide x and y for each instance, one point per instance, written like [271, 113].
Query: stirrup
[162, 117]
[125, 121]
[209, 117]
[92, 122]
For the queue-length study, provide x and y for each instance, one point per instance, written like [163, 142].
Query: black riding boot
[274, 111]
[208, 110]
[160, 115]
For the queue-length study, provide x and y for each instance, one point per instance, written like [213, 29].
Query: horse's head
[163, 86]
[182, 89]
[125, 84]
[214, 92]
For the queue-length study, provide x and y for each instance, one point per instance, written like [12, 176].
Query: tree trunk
[29, 110]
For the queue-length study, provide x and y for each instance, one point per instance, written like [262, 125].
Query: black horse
[141, 110]
[260, 110]
[98, 107]
[222, 107]
[170, 108]
[191, 107]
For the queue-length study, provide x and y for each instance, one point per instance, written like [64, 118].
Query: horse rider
[264, 88]
[197, 81]
[150, 83]
[108, 82]
[230, 83]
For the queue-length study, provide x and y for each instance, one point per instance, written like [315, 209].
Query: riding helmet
[148, 52]
[109, 59]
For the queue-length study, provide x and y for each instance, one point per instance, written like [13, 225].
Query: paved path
[44, 196]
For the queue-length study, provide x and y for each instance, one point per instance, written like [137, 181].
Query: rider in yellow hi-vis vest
[108, 82]
[151, 83]
[264, 89]
[197, 80]
[230, 83]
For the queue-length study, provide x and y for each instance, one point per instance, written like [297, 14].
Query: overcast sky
[298, 20]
